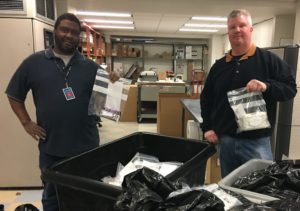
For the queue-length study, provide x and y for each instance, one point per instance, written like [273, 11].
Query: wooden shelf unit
[93, 44]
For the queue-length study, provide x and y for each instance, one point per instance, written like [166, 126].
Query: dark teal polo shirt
[69, 128]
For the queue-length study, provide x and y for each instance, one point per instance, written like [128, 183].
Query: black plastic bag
[26, 207]
[145, 190]
[195, 200]
[253, 207]
[151, 179]
[248, 205]
[280, 180]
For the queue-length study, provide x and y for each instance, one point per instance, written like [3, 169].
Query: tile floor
[109, 131]
[13, 198]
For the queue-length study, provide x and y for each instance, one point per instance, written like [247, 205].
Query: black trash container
[77, 179]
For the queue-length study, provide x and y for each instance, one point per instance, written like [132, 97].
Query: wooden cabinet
[170, 113]
[129, 114]
[92, 44]
[148, 94]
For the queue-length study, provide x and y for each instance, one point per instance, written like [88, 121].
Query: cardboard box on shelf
[130, 108]
[131, 52]
[190, 67]
[166, 55]
[213, 170]
[162, 75]
[108, 50]
[114, 52]
[125, 50]
[119, 49]
[199, 75]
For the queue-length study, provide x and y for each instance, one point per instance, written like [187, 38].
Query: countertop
[193, 106]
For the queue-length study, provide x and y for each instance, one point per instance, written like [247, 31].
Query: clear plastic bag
[139, 161]
[249, 109]
[108, 99]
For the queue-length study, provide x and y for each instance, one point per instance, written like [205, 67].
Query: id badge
[68, 92]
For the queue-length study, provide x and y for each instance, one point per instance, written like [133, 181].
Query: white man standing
[245, 65]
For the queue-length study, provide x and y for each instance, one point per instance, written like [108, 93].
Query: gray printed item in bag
[108, 99]
[249, 109]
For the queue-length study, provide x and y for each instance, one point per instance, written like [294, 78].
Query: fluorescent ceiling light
[107, 21]
[209, 18]
[112, 27]
[105, 14]
[206, 25]
[197, 30]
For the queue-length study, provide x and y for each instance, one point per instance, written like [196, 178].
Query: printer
[148, 75]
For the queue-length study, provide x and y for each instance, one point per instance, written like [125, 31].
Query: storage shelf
[168, 55]
[193, 59]
[127, 57]
[156, 58]
[92, 44]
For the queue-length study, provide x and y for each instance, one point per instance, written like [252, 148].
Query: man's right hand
[112, 75]
[211, 136]
[34, 130]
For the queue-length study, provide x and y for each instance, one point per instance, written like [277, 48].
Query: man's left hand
[256, 85]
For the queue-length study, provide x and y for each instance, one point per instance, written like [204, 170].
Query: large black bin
[78, 182]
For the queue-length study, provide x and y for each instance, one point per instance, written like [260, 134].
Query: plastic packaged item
[108, 99]
[228, 200]
[249, 109]
[139, 161]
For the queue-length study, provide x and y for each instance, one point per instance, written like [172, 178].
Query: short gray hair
[239, 12]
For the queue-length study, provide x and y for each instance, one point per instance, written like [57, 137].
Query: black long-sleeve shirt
[228, 74]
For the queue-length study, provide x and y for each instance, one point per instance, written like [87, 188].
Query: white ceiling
[165, 17]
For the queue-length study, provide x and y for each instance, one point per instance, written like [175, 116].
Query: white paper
[114, 96]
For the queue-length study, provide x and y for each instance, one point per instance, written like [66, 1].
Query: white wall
[284, 30]
[38, 28]
[217, 49]
[263, 33]
[273, 32]
[262, 37]
[297, 25]
[297, 41]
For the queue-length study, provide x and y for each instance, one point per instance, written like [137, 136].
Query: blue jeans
[235, 151]
[49, 199]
